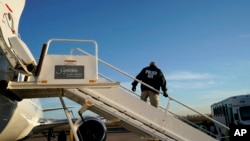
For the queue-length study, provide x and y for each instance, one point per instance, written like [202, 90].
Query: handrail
[191, 123]
[170, 98]
[120, 71]
[120, 85]
[73, 40]
[76, 40]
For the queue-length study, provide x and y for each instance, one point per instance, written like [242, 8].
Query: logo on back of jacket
[151, 74]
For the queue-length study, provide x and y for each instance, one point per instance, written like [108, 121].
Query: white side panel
[67, 70]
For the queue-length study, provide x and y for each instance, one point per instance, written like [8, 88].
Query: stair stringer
[130, 109]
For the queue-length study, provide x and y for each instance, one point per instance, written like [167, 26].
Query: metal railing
[170, 98]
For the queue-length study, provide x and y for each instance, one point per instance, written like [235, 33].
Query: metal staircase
[76, 77]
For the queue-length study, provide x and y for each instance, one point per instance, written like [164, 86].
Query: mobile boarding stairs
[76, 77]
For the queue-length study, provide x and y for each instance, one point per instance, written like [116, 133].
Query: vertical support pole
[67, 113]
[166, 113]
[168, 105]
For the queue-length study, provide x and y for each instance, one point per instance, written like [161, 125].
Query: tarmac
[124, 136]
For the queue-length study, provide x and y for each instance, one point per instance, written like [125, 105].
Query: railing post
[69, 119]
[168, 105]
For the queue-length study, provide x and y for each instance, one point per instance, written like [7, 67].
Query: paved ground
[127, 136]
[123, 137]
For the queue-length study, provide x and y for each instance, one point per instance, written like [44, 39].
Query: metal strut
[83, 109]
[67, 113]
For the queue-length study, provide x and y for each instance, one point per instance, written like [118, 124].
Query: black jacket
[152, 76]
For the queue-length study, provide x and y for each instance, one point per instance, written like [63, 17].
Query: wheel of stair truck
[92, 129]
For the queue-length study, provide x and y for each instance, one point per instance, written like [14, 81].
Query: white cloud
[191, 85]
[185, 75]
[245, 35]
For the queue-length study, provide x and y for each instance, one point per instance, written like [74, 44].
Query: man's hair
[152, 64]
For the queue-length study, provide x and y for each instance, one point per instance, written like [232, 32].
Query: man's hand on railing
[133, 88]
[165, 94]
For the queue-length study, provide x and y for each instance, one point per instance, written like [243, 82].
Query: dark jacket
[152, 76]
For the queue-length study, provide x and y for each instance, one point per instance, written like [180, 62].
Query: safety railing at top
[75, 41]
[169, 100]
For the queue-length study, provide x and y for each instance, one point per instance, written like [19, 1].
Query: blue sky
[202, 46]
